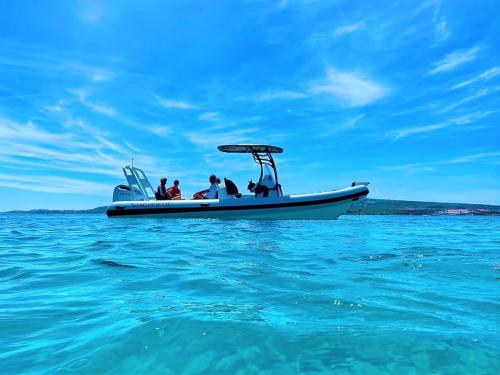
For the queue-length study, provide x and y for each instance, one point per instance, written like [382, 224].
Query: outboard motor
[126, 193]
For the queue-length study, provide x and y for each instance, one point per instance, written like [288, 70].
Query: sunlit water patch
[87, 294]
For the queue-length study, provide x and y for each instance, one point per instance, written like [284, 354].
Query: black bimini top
[250, 149]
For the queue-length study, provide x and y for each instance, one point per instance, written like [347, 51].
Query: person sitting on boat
[211, 192]
[174, 190]
[162, 193]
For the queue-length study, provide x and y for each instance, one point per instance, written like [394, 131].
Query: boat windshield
[268, 178]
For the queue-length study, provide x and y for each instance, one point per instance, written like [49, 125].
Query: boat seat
[229, 190]
[222, 194]
[231, 187]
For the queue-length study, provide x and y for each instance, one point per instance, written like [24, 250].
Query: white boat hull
[319, 206]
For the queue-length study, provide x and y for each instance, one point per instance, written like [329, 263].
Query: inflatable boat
[267, 201]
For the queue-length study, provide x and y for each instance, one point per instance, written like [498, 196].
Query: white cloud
[352, 89]
[280, 95]
[101, 76]
[347, 29]
[462, 120]
[477, 95]
[49, 184]
[471, 158]
[471, 117]
[454, 60]
[441, 30]
[29, 132]
[160, 130]
[83, 150]
[89, 72]
[98, 108]
[337, 128]
[174, 104]
[131, 147]
[431, 166]
[57, 108]
[352, 122]
[406, 132]
[209, 116]
[410, 168]
[483, 76]
[50, 62]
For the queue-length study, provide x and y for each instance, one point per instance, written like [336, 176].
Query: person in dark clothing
[162, 193]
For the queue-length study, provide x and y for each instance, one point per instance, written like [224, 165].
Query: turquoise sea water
[84, 294]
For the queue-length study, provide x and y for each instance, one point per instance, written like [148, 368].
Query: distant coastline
[366, 207]
[397, 207]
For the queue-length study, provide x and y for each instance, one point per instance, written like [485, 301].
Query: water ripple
[86, 294]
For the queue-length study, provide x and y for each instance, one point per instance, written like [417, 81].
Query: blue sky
[402, 94]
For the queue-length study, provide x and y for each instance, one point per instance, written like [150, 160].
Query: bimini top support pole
[265, 159]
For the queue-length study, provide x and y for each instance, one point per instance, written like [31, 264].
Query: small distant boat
[137, 198]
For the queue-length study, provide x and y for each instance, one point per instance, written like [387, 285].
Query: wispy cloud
[79, 148]
[132, 147]
[461, 120]
[454, 60]
[410, 168]
[58, 107]
[280, 95]
[471, 117]
[160, 130]
[347, 29]
[83, 97]
[332, 129]
[101, 76]
[48, 184]
[174, 104]
[478, 94]
[29, 132]
[490, 73]
[406, 132]
[98, 108]
[209, 116]
[350, 88]
[441, 30]
[46, 61]
[89, 72]
[471, 158]
[432, 166]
